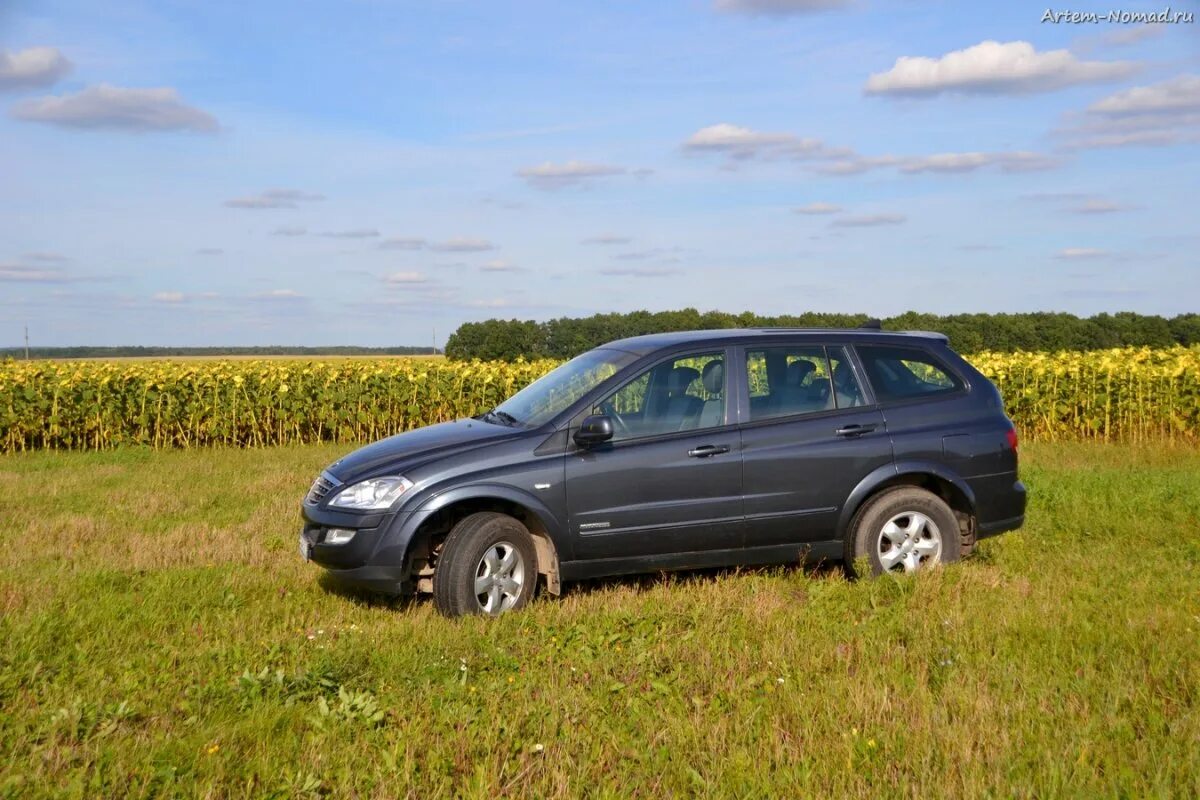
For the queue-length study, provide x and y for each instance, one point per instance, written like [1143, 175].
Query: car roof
[649, 343]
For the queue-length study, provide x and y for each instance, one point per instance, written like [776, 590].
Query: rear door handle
[706, 450]
[850, 431]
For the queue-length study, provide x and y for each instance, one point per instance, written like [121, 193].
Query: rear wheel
[906, 529]
[488, 565]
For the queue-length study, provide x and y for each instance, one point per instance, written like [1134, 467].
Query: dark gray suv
[680, 451]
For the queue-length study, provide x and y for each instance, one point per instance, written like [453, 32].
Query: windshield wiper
[504, 417]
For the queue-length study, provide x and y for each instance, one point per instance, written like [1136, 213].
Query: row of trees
[566, 337]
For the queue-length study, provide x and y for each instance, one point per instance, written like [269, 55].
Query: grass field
[161, 637]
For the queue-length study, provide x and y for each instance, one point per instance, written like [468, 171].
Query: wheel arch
[928, 475]
[441, 513]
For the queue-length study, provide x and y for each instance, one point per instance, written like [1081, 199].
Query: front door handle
[850, 431]
[706, 450]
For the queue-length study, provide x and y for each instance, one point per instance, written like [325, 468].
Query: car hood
[413, 448]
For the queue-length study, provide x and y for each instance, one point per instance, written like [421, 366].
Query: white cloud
[856, 165]
[1018, 161]
[869, 221]
[639, 272]
[1080, 253]
[278, 294]
[463, 244]
[277, 198]
[1098, 205]
[779, 7]
[500, 265]
[20, 273]
[1120, 37]
[571, 173]
[661, 253]
[994, 68]
[814, 209]
[117, 108]
[607, 239]
[402, 243]
[1158, 115]
[942, 163]
[46, 258]
[742, 143]
[34, 68]
[1178, 95]
[286, 230]
[1079, 202]
[355, 233]
[169, 297]
[403, 278]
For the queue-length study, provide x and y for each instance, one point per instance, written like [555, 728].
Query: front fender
[394, 547]
[889, 473]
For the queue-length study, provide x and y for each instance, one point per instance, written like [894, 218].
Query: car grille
[320, 489]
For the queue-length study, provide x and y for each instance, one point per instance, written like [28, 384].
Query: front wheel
[906, 529]
[488, 565]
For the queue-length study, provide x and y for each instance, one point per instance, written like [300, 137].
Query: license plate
[305, 549]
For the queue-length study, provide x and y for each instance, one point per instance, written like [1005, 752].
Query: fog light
[338, 535]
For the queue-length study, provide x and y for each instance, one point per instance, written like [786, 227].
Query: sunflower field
[1130, 394]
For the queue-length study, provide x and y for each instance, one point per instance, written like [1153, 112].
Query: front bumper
[354, 553]
[373, 559]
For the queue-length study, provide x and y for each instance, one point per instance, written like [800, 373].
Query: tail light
[1012, 439]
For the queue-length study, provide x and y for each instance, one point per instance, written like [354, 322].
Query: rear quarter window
[904, 373]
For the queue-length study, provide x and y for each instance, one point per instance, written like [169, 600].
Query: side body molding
[867, 486]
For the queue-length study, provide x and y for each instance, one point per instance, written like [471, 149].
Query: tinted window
[898, 373]
[788, 380]
[550, 394]
[846, 391]
[682, 394]
[791, 380]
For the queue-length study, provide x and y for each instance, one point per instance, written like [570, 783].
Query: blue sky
[197, 173]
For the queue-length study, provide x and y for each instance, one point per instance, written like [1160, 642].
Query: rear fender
[894, 474]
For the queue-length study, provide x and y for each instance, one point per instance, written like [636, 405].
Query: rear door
[671, 479]
[810, 433]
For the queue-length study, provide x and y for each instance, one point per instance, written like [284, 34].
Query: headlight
[371, 495]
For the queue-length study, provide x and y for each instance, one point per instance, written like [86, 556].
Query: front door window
[681, 394]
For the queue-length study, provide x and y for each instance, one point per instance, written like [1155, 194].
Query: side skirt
[741, 556]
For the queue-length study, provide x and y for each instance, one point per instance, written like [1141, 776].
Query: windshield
[549, 395]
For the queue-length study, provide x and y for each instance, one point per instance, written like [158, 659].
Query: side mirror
[596, 429]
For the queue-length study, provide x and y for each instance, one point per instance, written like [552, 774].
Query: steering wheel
[612, 414]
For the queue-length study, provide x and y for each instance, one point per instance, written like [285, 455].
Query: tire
[482, 546]
[905, 529]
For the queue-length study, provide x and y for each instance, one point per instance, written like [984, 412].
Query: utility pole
[27, 341]
[435, 340]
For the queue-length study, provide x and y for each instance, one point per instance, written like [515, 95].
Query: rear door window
[796, 379]
[902, 373]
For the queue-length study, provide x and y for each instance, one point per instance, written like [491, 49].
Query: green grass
[160, 636]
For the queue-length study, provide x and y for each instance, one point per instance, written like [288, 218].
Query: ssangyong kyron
[680, 451]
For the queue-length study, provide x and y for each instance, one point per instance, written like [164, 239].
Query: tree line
[566, 337]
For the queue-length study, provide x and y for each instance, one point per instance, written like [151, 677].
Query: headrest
[799, 370]
[714, 377]
[842, 376]
[680, 378]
